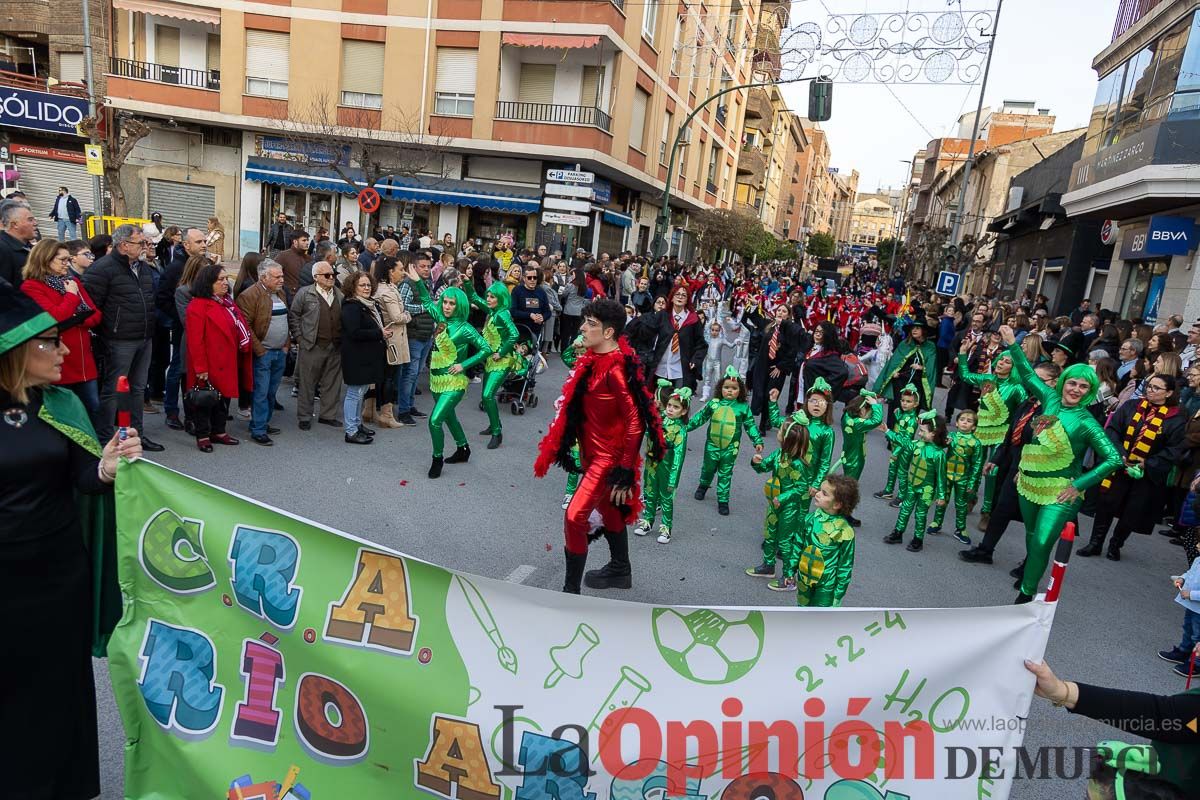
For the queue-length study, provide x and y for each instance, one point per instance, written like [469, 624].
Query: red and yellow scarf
[1143, 428]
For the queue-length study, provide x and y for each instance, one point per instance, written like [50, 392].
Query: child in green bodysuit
[863, 414]
[785, 490]
[728, 415]
[906, 423]
[661, 478]
[964, 465]
[822, 556]
[569, 356]
[926, 483]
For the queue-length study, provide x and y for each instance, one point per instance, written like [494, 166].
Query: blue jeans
[352, 407]
[88, 393]
[268, 372]
[63, 226]
[417, 350]
[174, 369]
[1191, 630]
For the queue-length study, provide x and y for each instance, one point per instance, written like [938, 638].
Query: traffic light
[820, 99]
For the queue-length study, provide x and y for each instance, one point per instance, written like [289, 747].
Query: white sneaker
[477, 379]
[642, 527]
[664, 534]
[566, 501]
[244, 413]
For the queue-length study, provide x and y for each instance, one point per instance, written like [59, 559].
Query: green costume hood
[462, 306]
[1080, 372]
[500, 292]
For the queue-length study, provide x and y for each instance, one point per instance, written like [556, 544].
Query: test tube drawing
[568, 658]
[624, 694]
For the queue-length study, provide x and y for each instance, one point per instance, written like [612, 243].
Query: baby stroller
[518, 390]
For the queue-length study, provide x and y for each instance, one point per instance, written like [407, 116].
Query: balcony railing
[552, 112]
[18, 80]
[162, 73]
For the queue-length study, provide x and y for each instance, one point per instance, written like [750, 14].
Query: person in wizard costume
[914, 363]
[500, 333]
[999, 395]
[1051, 479]
[57, 551]
[727, 416]
[926, 484]
[607, 409]
[452, 342]
[821, 559]
[661, 477]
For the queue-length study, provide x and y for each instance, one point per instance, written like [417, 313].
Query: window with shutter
[213, 52]
[454, 84]
[267, 63]
[637, 126]
[650, 19]
[166, 45]
[537, 84]
[666, 137]
[362, 74]
[70, 67]
[591, 87]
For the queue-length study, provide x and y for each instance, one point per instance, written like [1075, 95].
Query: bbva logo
[1168, 236]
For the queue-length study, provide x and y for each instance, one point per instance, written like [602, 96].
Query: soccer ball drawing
[704, 646]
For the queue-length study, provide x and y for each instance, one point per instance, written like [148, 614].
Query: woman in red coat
[52, 285]
[218, 353]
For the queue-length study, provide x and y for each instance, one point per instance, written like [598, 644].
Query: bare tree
[115, 148]
[364, 146]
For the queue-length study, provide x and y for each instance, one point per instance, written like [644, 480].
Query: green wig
[462, 307]
[499, 291]
[1083, 372]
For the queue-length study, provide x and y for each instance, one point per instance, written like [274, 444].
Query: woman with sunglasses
[56, 494]
[50, 282]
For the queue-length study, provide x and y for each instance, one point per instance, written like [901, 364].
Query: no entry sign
[368, 200]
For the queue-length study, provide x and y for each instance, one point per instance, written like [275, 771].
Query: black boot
[855, 522]
[1022, 598]
[895, 537]
[486, 431]
[495, 441]
[1018, 571]
[1096, 543]
[435, 469]
[1120, 536]
[461, 456]
[616, 574]
[575, 564]
[976, 555]
[700, 492]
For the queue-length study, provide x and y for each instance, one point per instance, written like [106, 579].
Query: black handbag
[202, 397]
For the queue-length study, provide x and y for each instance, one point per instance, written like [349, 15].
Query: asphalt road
[492, 517]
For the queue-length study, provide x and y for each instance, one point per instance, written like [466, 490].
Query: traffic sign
[563, 204]
[558, 218]
[368, 200]
[570, 176]
[947, 283]
[1108, 231]
[95, 159]
[569, 190]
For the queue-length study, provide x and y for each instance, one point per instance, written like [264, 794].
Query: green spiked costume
[925, 480]
[905, 427]
[500, 333]
[998, 399]
[786, 491]
[660, 479]
[964, 465]
[726, 420]
[854, 437]
[822, 559]
[451, 346]
[1054, 460]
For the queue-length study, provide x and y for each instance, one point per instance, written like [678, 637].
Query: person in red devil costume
[606, 409]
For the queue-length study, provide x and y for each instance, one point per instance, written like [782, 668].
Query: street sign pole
[97, 197]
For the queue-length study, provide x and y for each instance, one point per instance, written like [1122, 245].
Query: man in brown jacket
[266, 311]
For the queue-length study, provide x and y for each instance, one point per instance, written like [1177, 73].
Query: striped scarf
[1143, 428]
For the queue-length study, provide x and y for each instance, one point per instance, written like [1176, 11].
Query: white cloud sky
[1044, 53]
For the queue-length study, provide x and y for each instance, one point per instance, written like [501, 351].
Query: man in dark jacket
[194, 244]
[123, 290]
[530, 305]
[279, 237]
[66, 214]
[18, 229]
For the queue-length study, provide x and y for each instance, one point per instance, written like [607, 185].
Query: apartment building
[845, 189]
[498, 90]
[818, 200]
[872, 220]
[770, 142]
[789, 218]
[1139, 170]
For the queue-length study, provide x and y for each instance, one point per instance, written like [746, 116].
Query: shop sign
[602, 191]
[1109, 231]
[557, 218]
[1133, 151]
[1171, 236]
[298, 151]
[52, 153]
[41, 111]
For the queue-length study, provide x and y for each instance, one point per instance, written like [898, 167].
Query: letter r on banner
[177, 682]
[264, 565]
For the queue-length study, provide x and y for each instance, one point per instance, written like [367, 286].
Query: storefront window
[1143, 292]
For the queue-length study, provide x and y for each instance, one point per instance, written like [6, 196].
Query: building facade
[817, 205]
[1139, 171]
[845, 190]
[873, 220]
[492, 94]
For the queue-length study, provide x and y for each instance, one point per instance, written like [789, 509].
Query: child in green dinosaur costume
[500, 333]
[660, 478]
[448, 364]
[822, 556]
[863, 414]
[964, 464]
[1000, 394]
[926, 482]
[906, 424]
[727, 416]
[786, 490]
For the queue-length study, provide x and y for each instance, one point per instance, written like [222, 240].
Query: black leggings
[211, 422]
[568, 330]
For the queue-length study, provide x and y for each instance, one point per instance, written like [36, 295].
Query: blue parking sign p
[947, 283]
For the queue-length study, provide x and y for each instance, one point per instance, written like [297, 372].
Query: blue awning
[443, 191]
[615, 218]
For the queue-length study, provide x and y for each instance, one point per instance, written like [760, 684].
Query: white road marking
[521, 573]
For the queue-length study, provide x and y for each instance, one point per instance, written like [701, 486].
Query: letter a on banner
[456, 757]
[378, 597]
